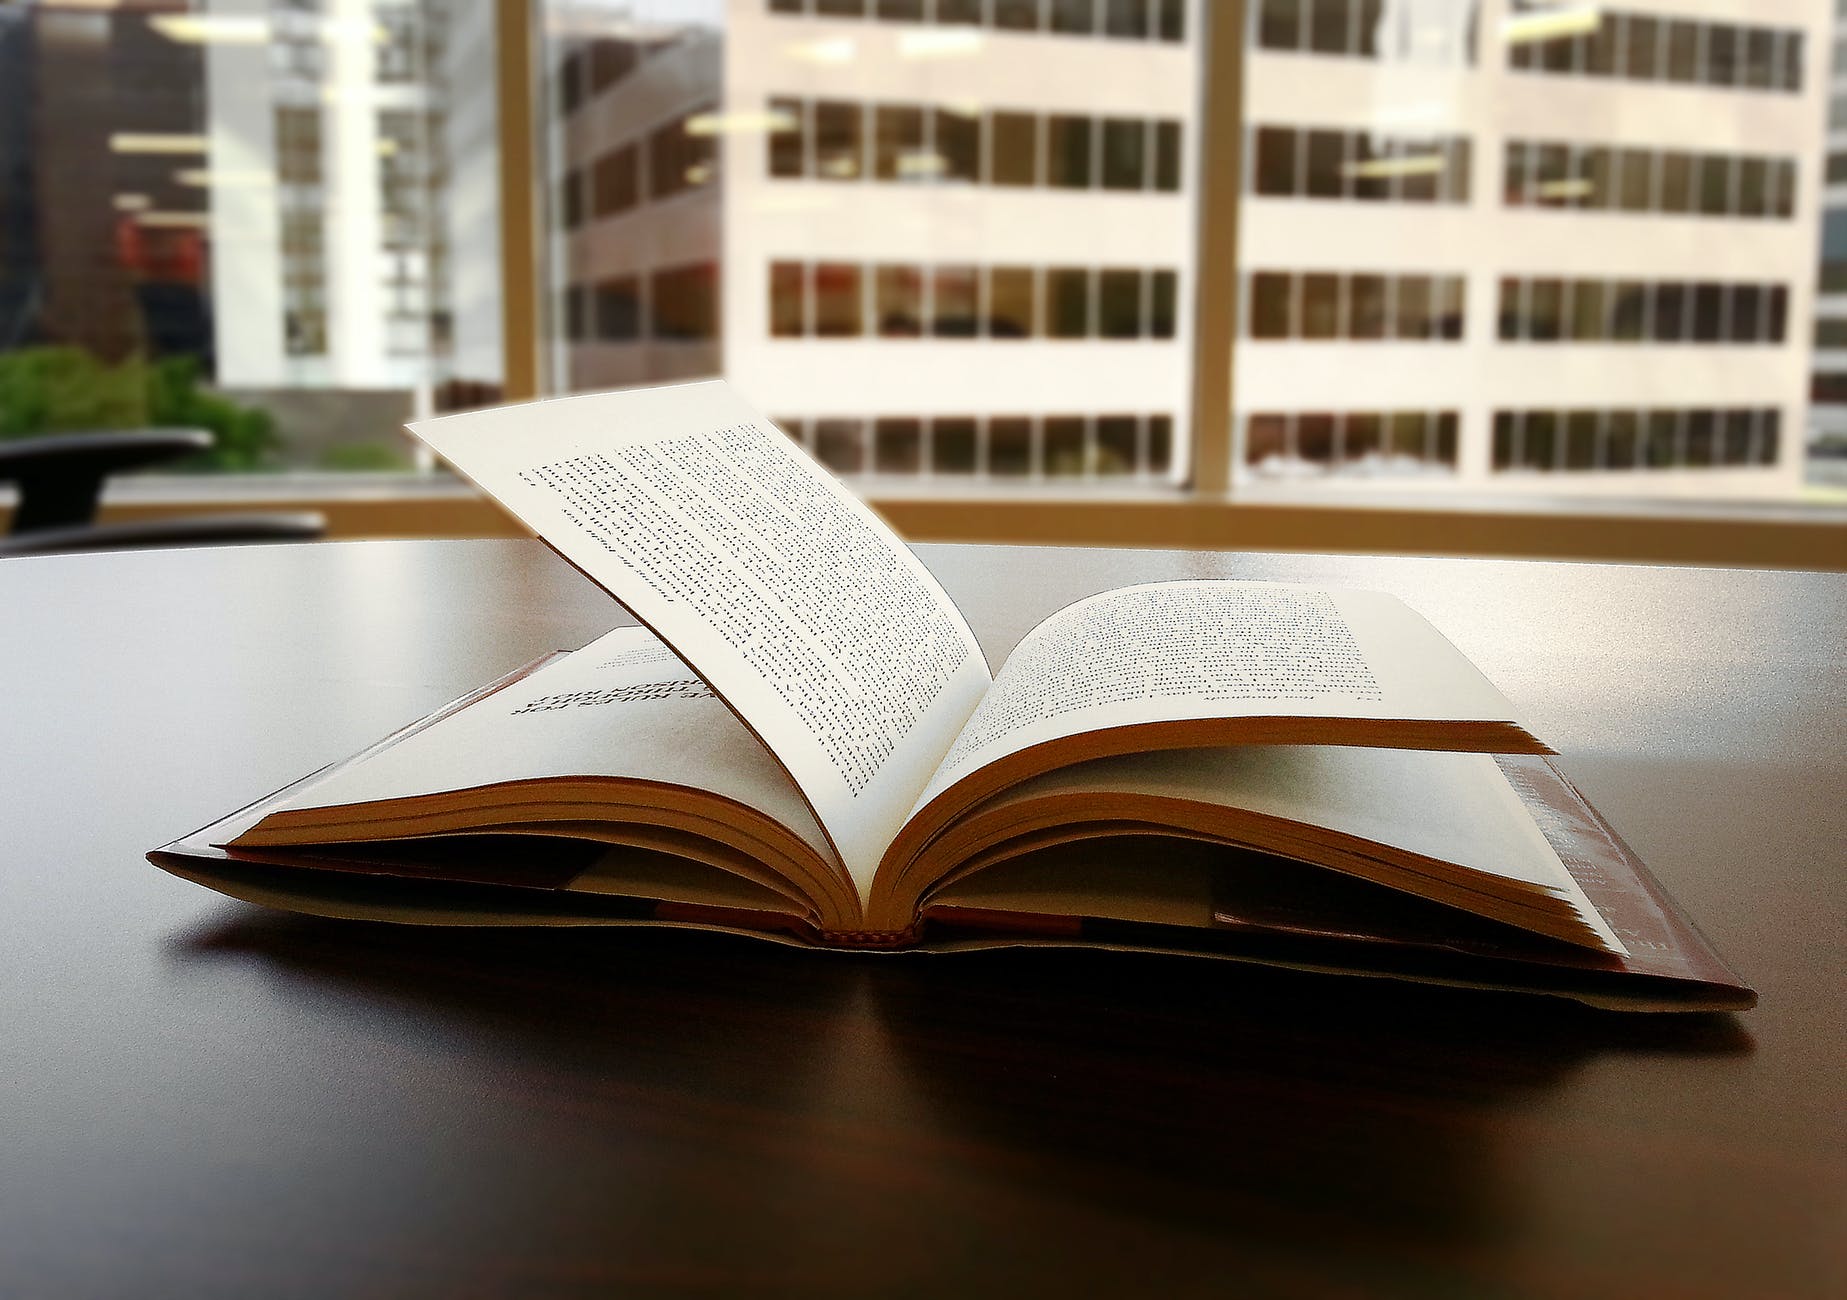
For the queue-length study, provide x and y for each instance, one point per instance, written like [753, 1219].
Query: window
[912, 223]
[616, 181]
[1067, 294]
[788, 300]
[837, 300]
[1361, 307]
[1068, 152]
[1350, 444]
[1644, 47]
[954, 310]
[958, 146]
[1133, 20]
[683, 303]
[1362, 29]
[913, 143]
[1125, 149]
[947, 301]
[1015, 154]
[1581, 440]
[900, 301]
[1647, 180]
[571, 199]
[789, 131]
[898, 142]
[897, 446]
[838, 153]
[618, 310]
[1013, 305]
[1544, 310]
[1119, 304]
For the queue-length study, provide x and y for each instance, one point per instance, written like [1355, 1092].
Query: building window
[1546, 441]
[1361, 306]
[1553, 175]
[1549, 310]
[1129, 20]
[1364, 29]
[1113, 445]
[1013, 302]
[298, 145]
[571, 199]
[1320, 163]
[1682, 51]
[910, 143]
[900, 306]
[1350, 443]
[964, 301]
[788, 300]
[680, 160]
[615, 181]
[683, 303]
[618, 309]
[838, 151]
[838, 311]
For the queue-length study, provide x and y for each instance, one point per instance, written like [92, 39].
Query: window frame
[1204, 512]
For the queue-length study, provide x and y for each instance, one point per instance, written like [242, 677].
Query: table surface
[201, 1097]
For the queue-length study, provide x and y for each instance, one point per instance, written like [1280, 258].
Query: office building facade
[945, 242]
[1481, 247]
[1560, 249]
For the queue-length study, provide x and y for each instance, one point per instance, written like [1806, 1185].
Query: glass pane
[899, 299]
[1074, 17]
[841, 445]
[1321, 311]
[1016, 15]
[1067, 296]
[242, 224]
[1015, 143]
[1119, 304]
[1125, 160]
[1368, 307]
[1010, 447]
[1064, 446]
[1279, 24]
[954, 312]
[788, 131]
[1272, 307]
[958, 146]
[838, 301]
[897, 447]
[788, 303]
[1274, 172]
[1118, 437]
[953, 446]
[898, 142]
[1013, 310]
[1068, 152]
[839, 150]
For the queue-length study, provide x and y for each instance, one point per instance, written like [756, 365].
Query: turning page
[794, 602]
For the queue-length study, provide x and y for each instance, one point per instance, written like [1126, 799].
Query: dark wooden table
[198, 1097]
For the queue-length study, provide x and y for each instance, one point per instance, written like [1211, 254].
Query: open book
[804, 741]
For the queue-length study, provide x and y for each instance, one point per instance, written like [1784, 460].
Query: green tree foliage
[58, 389]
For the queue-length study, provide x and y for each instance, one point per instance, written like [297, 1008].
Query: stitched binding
[870, 938]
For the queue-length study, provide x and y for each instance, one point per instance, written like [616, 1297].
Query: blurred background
[1327, 274]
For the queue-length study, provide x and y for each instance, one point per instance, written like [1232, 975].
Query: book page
[623, 706]
[1178, 651]
[796, 603]
[1454, 808]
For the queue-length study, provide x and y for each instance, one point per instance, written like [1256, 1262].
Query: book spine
[870, 938]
